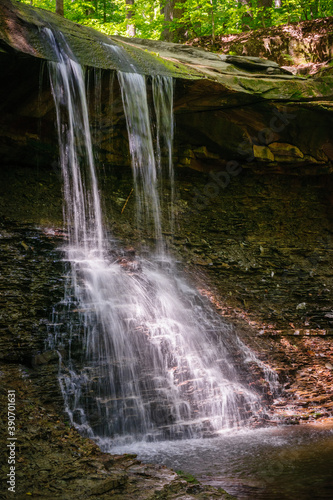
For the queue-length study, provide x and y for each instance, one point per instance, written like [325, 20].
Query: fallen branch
[128, 197]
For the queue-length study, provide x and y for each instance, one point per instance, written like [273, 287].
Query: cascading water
[82, 208]
[134, 95]
[152, 361]
[163, 103]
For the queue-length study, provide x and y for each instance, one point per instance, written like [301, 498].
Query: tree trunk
[171, 13]
[167, 10]
[130, 27]
[247, 15]
[90, 10]
[213, 20]
[266, 15]
[60, 7]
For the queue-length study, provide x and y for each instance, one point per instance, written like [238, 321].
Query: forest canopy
[182, 20]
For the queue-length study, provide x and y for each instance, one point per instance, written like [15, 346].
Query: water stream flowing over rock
[154, 361]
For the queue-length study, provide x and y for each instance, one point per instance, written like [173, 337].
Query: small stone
[262, 153]
[202, 152]
[301, 306]
[45, 358]
[281, 149]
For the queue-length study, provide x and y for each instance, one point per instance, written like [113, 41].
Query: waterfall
[134, 95]
[147, 358]
[163, 103]
[82, 204]
[146, 163]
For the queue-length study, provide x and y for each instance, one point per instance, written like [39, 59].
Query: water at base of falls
[281, 463]
[146, 358]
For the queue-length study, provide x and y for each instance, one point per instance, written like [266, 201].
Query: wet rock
[31, 283]
[44, 358]
[21, 22]
[116, 482]
[281, 150]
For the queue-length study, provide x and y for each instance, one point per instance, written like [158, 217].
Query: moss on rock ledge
[22, 28]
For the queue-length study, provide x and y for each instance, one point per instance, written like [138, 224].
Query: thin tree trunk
[213, 22]
[266, 15]
[91, 10]
[247, 15]
[167, 11]
[171, 13]
[60, 7]
[130, 13]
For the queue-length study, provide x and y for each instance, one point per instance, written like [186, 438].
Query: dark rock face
[271, 236]
[31, 284]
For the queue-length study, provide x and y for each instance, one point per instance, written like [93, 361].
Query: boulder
[302, 43]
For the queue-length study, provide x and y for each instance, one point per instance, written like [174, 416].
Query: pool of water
[294, 463]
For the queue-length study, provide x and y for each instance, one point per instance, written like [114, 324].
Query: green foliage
[148, 19]
[195, 18]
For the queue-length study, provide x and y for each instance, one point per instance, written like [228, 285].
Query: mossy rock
[23, 28]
